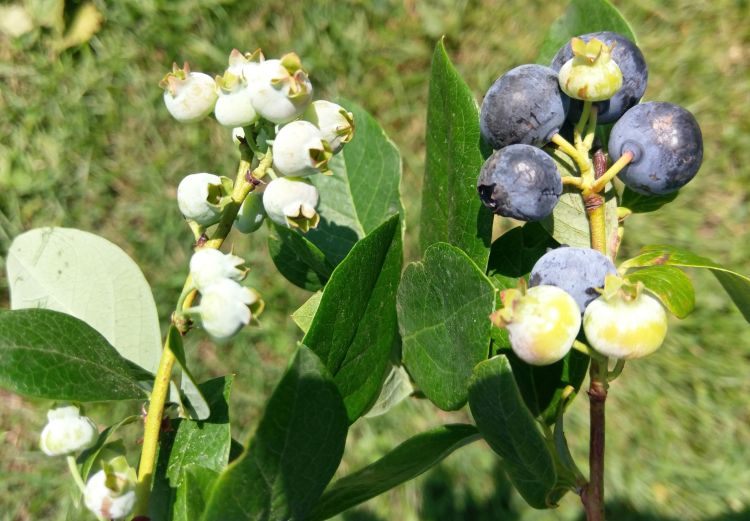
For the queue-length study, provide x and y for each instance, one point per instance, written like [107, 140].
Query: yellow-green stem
[580, 126]
[610, 174]
[160, 390]
[582, 160]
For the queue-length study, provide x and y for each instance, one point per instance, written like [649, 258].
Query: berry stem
[152, 427]
[588, 141]
[580, 126]
[610, 174]
[572, 181]
[73, 468]
[592, 494]
[584, 165]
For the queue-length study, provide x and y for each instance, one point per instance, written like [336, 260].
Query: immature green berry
[591, 74]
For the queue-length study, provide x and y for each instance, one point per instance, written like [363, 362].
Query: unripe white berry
[280, 89]
[336, 124]
[67, 432]
[188, 96]
[291, 202]
[110, 493]
[299, 150]
[208, 266]
[197, 197]
[224, 308]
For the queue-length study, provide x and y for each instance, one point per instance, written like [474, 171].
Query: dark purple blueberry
[578, 271]
[525, 105]
[634, 76]
[521, 182]
[667, 145]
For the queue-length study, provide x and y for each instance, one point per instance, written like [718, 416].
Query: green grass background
[85, 142]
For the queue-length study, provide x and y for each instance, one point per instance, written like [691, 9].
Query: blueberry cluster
[596, 78]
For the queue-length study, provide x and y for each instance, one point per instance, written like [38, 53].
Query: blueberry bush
[510, 325]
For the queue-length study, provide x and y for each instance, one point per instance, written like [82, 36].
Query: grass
[86, 142]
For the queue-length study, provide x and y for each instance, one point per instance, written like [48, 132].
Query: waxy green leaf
[451, 209]
[355, 326]
[737, 286]
[48, 354]
[581, 17]
[639, 203]
[509, 428]
[672, 287]
[305, 314]
[297, 259]
[515, 252]
[407, 461]
[192, 493]
[396, 388]
[88, 277]
[293, 454]
[444, 303]
[205, 443]
[197, 405]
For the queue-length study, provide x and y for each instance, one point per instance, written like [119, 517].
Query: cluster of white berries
[225, 306]
[110, 492]
[252, 92]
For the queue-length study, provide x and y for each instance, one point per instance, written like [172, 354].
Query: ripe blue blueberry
[634, 76]
[579, 271]
[666, 143]
[525, 105]
[520, 181]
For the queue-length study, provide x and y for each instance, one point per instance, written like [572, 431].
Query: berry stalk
[243, 185]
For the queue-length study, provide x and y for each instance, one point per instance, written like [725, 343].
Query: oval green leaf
[672, 287]
[737, 286]
[407, 461]
[355, 324]
[297, 259]
[444, 303]
[48, 354]
[451, 209]
[510, 429]
[293, 454]
[88, 277]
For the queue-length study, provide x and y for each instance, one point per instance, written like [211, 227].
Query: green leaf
[515, 252]
[544, 388]
[569, 224]
[355, 325]
[509, 428]
[297, 259]
[670, 285]
[48, 354]
[294, 453]
[402, 464]
[444, 303]
[581, 17]
[196, 404]
[88, 277]
[205, 443]
[451, 209]
[737, 286]
[90, 456]
[639, 203]
[396, 388]
[192, 493]
[304, 315]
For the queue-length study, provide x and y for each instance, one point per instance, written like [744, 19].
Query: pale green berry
[336, 124]
[625, 327]
[291, 202]
[300, 150]
[542, 323]
[67, 432]
[198, 196]
[188, 96]
[110, 493]
[208, 266]
[251, 214]
[591, 74]
[225, 307]
[234, 107]
[280, 89]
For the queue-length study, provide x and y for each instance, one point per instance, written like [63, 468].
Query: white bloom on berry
[67, 432]
[198, 196]
[280, 89]
[224, 308]
[110, 493]
[188, 96]
[300, 150]
[208, 266]
[251, 214]
[336, 124]
[291, 202]
[234, 107]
